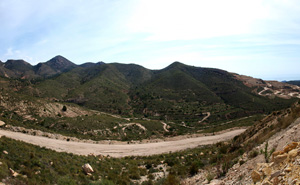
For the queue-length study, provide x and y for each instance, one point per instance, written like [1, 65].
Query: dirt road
[120, 150]
[205, 118]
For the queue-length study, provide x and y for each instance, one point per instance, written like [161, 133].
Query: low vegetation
[150, 104]
[43, 166]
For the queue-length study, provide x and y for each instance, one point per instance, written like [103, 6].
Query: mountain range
[179, 92]
[127, 102]
[22, 69]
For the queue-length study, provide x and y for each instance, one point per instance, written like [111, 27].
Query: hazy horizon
[255, 38]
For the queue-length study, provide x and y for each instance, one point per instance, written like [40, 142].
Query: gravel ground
[120, 149]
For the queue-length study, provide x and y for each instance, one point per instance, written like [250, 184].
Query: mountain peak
[59, 59]
[17, 68]
[18, 61]
[175, 64]
[17, 64]
[60, 63]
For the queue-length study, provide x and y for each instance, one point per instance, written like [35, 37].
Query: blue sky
[259, 38]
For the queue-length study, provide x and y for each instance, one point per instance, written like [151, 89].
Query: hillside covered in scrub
[127, 104]
[179, 93]
[230, 162]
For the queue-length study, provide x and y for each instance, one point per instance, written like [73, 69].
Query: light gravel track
[120, 149]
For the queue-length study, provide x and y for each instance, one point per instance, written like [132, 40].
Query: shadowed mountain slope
[182, 93]
[24, 70]
[294, 82]
[178, 92]
[54, 66]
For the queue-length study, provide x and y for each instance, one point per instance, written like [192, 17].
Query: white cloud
[193, 19]
[17, 54]
[11, 52]
[217, 33]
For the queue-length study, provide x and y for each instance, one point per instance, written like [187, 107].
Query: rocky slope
[272, 156]
[254, 166]
[284, 167]
[270, 88]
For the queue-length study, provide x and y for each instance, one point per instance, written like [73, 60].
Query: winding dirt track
[120, 150]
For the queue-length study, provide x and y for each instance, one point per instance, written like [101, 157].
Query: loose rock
[255, 175]
[290, 147]
[2, 123]
[275, 174]
[280, 158]
[284, 169]
[13, 173]
[87, 169]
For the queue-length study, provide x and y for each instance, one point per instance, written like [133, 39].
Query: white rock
[2, 123]
[13, 173]
[87, 168]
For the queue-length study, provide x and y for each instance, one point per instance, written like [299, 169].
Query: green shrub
[193, 169]
[171, 180]
[66, 180]
[102, 182]
[134, 173]
[253, 154]
[151, 176]
[149, 182]
[210, 176]
[64, 108]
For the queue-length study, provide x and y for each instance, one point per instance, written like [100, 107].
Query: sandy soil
[120, 150]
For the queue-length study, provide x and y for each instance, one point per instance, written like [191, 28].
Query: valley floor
[121, 149]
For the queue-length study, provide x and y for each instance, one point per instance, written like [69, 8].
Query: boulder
[87, 169]
[275, 154]
[290, 147]
[275, 181]
[280, 158]
[288, 169]
[2, 123]
[275, 174]
[293, 153]
[266, 183]
[267, 170]
[215, 182]
[255, 175]
[13, 173]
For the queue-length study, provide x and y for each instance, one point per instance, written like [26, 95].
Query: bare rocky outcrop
[283, 169]
[42, 108]
[280, 142]
[285, 143]
[270, 88]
